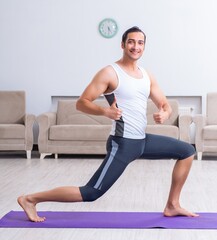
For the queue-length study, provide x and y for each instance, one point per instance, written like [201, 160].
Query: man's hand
[113, 111]
[161, 116]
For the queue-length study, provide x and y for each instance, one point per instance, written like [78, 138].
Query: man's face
[134, 45]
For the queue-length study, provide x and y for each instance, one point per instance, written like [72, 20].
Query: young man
[127, 87]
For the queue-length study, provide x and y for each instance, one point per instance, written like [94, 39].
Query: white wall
[52, 47]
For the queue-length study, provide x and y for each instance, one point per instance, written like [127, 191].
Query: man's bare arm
[104, 81]
[160, 101]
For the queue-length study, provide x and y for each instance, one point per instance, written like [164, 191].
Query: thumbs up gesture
[160, 116]
[113, 111]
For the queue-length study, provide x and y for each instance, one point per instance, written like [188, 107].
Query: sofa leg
[56, 156]
[43, 155]
[199, 156]
[28, 154]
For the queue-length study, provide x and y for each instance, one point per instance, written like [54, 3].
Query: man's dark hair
[132, 29]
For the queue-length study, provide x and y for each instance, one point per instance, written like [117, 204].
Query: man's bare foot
[29, 209]
[178, 211]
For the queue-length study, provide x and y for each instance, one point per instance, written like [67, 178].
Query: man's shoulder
[109, 67]
[107, 71]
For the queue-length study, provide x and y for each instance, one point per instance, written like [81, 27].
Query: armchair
[206, 127]
[16, 125]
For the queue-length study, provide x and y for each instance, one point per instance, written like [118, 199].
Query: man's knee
[90, 194]
[189, 151]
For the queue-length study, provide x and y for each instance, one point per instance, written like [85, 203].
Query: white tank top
[131, 95]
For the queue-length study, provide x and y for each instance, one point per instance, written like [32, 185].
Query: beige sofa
[69, 131]
[72, 132]
[16, 125]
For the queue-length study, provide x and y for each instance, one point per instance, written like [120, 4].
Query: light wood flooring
[144, 186]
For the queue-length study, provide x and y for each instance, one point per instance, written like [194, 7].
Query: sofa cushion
[210, 132]
[10, 131]
[79, 132]
[166, 130]
[12, 107]
[67, 114]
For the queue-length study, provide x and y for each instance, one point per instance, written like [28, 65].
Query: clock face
[108, 28]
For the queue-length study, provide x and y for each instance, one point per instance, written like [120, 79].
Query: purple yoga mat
[18, 219]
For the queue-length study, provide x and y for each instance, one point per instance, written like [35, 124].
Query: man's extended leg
[60, 194]
[120, 153]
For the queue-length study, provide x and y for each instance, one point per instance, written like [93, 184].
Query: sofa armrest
[200, 122]
[184, 127]
[29, 120]
[45, 121]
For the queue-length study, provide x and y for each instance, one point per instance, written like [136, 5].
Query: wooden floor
[144, 186]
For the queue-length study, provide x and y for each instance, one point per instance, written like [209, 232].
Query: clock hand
[109, 29]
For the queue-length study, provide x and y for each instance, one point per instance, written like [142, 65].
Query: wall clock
[108, 28]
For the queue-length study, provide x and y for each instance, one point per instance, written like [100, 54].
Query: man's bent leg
[160, 147]
[179, 176]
